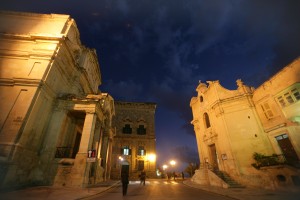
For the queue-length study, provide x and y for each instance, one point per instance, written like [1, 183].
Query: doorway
[287, 149]
[214, 157]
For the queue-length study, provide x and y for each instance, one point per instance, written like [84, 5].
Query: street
[158, 190]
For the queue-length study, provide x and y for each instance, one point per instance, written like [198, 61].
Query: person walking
[174, 175]
[125, 181]
[143, 177]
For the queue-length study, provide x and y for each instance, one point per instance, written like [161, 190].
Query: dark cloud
[186, 154]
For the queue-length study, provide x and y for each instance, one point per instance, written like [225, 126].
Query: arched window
[206, 120]
[201, 98]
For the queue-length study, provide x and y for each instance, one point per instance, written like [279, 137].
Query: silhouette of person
[143, 177]
[125, 181]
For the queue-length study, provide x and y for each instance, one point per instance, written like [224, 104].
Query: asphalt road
[159, 190]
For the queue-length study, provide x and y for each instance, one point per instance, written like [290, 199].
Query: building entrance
[287, 149]
[214, 157]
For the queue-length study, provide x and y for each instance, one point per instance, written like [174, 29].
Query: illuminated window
[281, 137]
[126, 151]
[127, 129]
[141, 151]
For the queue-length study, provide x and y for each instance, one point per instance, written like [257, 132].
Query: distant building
[55, 125]
[135, 140]
[232, 125]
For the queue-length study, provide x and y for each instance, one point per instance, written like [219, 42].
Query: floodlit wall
[47, 82]
[232, 125]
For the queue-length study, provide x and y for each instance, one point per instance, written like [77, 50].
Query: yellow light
[165, 167]
[151, 157]
[172, 162]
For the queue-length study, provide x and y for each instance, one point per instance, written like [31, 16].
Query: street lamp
[172, 163]
[165, 167]
[150, 158]
[164, 171]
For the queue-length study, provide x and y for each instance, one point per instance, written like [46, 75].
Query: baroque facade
[55, 123]
[134, 141]
[237, 128]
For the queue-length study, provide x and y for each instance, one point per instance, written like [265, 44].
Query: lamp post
[164, 170]
[165, 167]
[173, 163]
[150, 158]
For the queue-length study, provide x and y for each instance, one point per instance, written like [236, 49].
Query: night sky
[158, 50]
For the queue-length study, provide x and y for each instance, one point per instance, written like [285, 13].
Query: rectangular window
[267, 111]
[141, 151]
[141, 130]
[126, 151]
[281, 137]
[127, 129]
[288, 97]
[281, 101]
[296, 94]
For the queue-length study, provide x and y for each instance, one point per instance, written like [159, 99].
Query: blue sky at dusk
[158, 50]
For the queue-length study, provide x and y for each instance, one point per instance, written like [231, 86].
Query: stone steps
[226, 178]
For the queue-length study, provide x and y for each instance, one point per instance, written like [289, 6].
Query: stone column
[81, 168]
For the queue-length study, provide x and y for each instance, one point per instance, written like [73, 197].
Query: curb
[212, 192]
[107, 188]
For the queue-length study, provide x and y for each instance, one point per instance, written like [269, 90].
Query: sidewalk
[57, 193]
[247, 193]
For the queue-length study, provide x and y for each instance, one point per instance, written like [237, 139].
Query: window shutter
[129, 152]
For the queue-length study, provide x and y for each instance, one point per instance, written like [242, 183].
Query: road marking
[153, 182]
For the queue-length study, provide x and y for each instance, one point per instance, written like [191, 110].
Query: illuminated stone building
[134, 142]
[232, 125]
[52, 113]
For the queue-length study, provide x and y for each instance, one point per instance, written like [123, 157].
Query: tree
[190, 169]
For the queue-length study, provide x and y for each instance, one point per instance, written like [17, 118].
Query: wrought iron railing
[63, 152]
